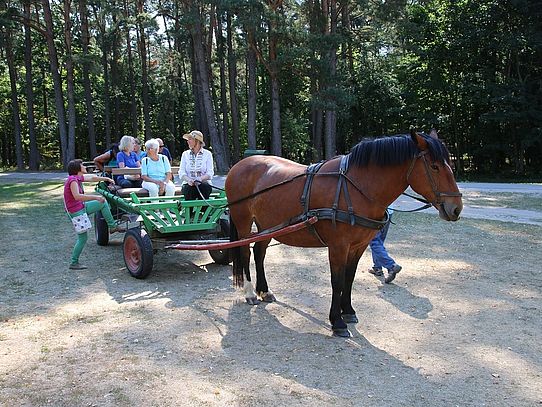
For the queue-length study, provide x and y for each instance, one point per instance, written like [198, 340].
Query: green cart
[158, 223]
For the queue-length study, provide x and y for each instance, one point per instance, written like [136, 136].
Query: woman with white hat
[196, 170]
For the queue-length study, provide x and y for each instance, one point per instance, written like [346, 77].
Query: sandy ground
[460, 326]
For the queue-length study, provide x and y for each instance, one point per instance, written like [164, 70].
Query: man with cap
[196, 169]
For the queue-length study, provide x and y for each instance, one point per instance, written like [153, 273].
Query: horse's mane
[393, 150]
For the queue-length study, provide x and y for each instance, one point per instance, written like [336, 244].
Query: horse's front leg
[263, 291]
[337, 262]
[348, 312]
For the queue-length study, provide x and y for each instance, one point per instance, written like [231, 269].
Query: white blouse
[194, 166]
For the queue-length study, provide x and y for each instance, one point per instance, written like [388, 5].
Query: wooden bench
[133, 171]
[141, 192]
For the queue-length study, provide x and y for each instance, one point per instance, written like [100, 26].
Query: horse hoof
[342, 333]
[350, 318]
[268, 297]
[252, 301]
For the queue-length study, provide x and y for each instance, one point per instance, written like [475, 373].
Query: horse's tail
[235, 252]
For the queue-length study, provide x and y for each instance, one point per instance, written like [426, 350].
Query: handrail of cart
[246, 241]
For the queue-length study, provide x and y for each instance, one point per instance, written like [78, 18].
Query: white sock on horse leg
[248, 290]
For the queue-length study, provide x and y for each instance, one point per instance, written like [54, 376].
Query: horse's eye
[434, 167]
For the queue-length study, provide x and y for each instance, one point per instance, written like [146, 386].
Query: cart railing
[171, 214]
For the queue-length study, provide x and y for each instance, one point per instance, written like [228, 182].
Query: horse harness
[434, 186]
[334, 214]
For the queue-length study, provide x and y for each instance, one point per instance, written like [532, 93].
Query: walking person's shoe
[377, 271]
[77, 266]
[392, 272]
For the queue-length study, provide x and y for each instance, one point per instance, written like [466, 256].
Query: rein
[312, 171]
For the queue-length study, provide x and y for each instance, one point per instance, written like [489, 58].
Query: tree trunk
[115, 81]
[69, 80]
[199, 109]
[144, 72]
[57, 82]
[14, 102]
[276, 135]
[172, 108]
[34, 154]
[219, 150]
[232, 73]
[107, 93]
[221, 54]
[85, 40]
[317, 122]
[251, 103]
[331, 113]
[133, 100]
[101, 24]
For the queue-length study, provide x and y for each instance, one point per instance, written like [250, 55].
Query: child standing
[79, 206]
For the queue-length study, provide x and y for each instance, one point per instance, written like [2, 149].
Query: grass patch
[504, 200]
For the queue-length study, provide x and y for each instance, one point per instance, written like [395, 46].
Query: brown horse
[349, 195]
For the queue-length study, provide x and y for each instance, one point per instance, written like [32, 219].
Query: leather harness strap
[334, 214]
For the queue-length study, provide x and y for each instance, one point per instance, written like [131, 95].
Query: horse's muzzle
[450, 210]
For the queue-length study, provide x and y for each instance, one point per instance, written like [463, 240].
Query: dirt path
[461, 326]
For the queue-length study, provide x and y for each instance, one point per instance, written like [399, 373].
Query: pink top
[73, 205]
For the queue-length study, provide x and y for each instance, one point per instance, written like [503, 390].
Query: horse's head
[431, 176]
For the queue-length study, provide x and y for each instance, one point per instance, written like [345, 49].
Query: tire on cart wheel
[138, 252]
[222, 256]
[101, 229]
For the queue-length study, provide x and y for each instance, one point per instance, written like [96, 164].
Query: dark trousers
[126, 183]
[190, 192]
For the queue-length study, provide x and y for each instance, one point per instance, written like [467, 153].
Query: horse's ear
[433, 133]
[417, 139]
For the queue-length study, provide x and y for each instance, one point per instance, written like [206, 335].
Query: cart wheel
[138, 253]
[222, 256]
[101, 229]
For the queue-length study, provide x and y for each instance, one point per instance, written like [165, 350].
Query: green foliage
[470, 68]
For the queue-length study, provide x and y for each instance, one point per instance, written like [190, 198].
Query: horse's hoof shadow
[268, 297]
[252, 300]
[342, 333]
[350, 318]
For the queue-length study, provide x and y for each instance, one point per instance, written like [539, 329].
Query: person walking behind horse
[79, 206]
[156, 171]
[381, 258]
[196, 169]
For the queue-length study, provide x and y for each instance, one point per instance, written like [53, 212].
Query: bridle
[438, 194]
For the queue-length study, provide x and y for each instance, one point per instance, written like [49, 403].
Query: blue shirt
[129, 161]
[155, 169]
[166, 152]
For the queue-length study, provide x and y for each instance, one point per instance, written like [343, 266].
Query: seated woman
[137, 149]
[196, 169]
[156, 171]
[127, 158]
[109, 158]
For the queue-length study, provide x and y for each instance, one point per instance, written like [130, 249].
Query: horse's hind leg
[260, 248]
[241, 260]
[248, 288]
